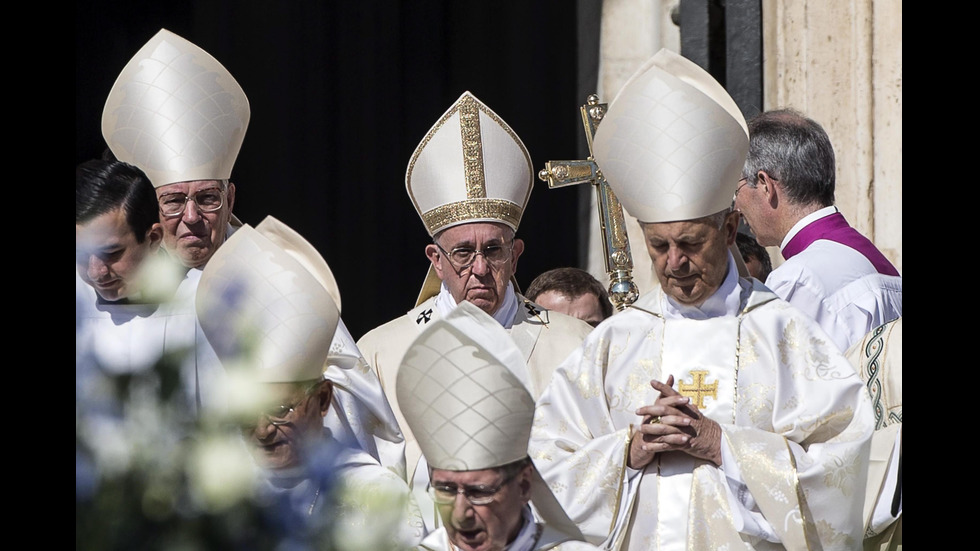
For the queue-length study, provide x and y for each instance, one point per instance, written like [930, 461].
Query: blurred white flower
[221, 472]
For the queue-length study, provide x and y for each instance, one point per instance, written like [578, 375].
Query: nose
[676, 259]
[263, 429]
[480, 265]
[97, 269]
[462, 511]
[191, 213]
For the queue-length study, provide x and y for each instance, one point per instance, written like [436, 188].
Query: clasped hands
[673, 423]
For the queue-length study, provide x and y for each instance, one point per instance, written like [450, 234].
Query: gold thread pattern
[461, 211]
[469, 109]
[469, 130]
[699, 389]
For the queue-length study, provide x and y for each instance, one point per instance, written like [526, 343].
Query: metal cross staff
[615, 242]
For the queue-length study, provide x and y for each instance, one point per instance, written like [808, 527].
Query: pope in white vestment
[470, 179]
[747, 427]
[794, 414]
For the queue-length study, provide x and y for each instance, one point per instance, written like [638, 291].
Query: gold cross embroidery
[699, 389]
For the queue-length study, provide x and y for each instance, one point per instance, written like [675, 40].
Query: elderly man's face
[484, 283]
[108, 256]
[279, 436]
[489, 527]
[192, 236]
[690, 257]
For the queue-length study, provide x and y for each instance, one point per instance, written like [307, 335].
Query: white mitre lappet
[470, 167]
[672, 143]
[176, 113]
[461, 389]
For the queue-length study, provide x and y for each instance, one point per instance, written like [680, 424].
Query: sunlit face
[584, 307]
[193, 236]
[482, 284]
[753, 203]
[279, 437]
[489, 527]
[108, 255]
[690, 257]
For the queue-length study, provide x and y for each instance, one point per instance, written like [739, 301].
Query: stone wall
[838, 61]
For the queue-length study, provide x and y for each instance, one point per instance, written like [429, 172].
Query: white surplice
[795, 418]
[837, 286]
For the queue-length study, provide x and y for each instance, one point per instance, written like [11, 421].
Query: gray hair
[795, 151]
[717, 220]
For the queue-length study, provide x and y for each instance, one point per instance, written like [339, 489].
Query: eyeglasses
[744, 182]
[476, 495]
[464, 257]
[278, 416]
[173, 205]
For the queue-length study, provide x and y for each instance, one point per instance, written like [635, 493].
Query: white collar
[725, 301]
[504, 315]
[806, 221]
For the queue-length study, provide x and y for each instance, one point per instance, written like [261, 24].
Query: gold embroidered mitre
[261, 309]
[672, 143]
[470, 167]
[176, 113]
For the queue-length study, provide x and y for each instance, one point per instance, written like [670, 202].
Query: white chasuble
[795, 420]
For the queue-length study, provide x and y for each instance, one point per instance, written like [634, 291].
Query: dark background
[341, 93]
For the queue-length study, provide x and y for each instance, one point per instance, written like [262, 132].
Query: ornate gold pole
[615, 242]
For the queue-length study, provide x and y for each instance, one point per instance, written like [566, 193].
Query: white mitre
[176, 113]
[672, 143]
[360, 414]
[262, 310]
[460, 386]
[470, 167]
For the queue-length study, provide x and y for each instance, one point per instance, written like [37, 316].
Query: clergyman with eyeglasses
[473, 422]
[186, 136]
[271, 319]
[470, 179]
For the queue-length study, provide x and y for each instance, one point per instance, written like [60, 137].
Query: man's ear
[525, 482]
[731, 226]
[325, 394]
[518, 249]
[155, 236]
[230, 195]
[769, 187]
[434, 255]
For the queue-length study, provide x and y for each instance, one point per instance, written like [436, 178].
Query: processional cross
[615, 242]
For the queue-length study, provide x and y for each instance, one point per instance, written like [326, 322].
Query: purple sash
[835, 228]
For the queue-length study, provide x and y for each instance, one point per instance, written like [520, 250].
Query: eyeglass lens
[464, 257]
[207, 200]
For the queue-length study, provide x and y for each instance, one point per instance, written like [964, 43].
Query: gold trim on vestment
[622, 484]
